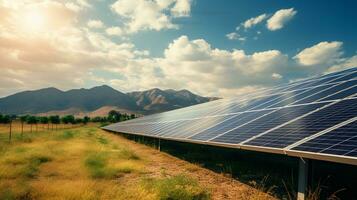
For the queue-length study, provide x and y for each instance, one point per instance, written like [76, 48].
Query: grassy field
[88, 163]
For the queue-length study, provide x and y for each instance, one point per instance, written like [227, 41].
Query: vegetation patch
[97, 166]
[128, 154]
[178, 187]
[10, 192]
[32, 167]
[102, 140]
[66, 135]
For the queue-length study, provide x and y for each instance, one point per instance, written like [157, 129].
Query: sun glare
[35, 21]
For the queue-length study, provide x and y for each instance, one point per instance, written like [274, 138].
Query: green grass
[179, 187]
[102, 140]
[128, 154]
[66, 135]
[97, 164]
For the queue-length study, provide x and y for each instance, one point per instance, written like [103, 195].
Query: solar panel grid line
[241, 125]
[352, 92]
[228, 125]
[320, 133]
[309, 92]
[173, 126]
[327, 97]
[299, 92]
[266, 123]
[318, 92]
[349, 76]
[183, 129]
[353, 150]
[317, 80]
[288, 122]
[303, 100]
[189, 131]
[339, 143]
[333, 114]
[325, 80]
[213, 126]
[335, 95]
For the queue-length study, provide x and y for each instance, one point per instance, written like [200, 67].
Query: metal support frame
[303, 178]
[159, 144]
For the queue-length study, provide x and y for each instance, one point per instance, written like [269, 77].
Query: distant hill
[156, 100]
[97, 101]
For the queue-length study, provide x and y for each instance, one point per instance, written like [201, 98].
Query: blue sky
[315, 21]
[211, 47]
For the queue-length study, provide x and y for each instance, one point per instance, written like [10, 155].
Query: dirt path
[162, 164]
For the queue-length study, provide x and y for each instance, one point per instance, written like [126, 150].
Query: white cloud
[95, 24]
[182, 8]
[254, 21]
[83, 57]
[117, 31]
[276, 76]
[280, 18]
[235, 36]
[325, 53]
[232, 36]
[218, 69]
[345, 63]
[151, 15]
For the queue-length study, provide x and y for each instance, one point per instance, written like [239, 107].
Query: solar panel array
[315, 116]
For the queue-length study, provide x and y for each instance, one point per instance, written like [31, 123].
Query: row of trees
[112, 117]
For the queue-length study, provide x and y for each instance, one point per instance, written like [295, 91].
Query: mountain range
[97, 101]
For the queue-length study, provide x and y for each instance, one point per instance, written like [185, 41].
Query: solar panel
[311, 116]
[340, 141]
[267, 122]
[330, 91]
[229, 124]
[313, 123]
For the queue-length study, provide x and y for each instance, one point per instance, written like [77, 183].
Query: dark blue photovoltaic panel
[327, 92]
[341, 141]
[229, 124]
[195, 126]
[308, 125]
[343, 94]
[302, 85]
[346, 77]
[259, 101]
[265, 123]
[323, 81]
[269, 118]
[303, 94]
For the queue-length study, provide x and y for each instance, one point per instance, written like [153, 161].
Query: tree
[23, 119]
[1, 118]
[86, 119]
[32, 120]
[132, 116]
[68, 119]
[44, 120]
[7, 119]
[55, 119]
[79, 120]
[114, 116]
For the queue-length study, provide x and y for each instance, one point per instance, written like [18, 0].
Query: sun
[35, 21]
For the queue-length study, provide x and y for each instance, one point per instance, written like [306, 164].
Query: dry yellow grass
[88, 163]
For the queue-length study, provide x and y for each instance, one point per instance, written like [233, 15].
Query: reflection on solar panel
[316, 117]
